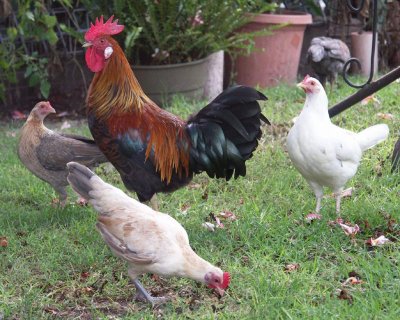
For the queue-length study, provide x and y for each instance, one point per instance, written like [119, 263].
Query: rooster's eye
[216, 280]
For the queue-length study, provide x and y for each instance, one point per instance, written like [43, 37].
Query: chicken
[327, 57]
[154, 150]
[326, 155]
[149, 241]
[396, 157]
[46, 153]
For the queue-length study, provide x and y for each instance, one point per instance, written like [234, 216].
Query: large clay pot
[361, 48]
[276, 56]
[191, 79]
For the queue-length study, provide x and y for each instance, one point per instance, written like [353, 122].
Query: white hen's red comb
[306, 77]
[99, 28]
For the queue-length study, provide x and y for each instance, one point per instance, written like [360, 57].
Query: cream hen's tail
[104, 197]
[372, 136]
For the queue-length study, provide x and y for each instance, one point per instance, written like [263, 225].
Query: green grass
[56, 265]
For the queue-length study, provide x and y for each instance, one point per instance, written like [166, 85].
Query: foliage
[172, 31]
[34, 24]
[57, 266]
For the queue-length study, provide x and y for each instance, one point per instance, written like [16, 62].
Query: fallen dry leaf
[313, 216]
[292, 267]
[18, 115]
[185, 207]
[3, 242]
[344, 295]
[62, 114]
[370, 99]
[352, 281]
[209, 226]
[349, 230]
[385, 116]
[217, 220]
[194, 186]
[12, 134]
[378, 241]
[228, 215]
[84, 275]
[65, 125]
[345, 193]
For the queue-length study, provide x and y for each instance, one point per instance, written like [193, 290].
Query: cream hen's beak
[86, 44]
[220, 291]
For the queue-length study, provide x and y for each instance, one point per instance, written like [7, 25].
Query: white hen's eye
[108, 52]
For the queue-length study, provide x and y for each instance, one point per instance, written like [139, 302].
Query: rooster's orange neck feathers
[105, 89]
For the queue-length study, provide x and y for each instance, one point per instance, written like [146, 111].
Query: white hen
[327, 155]
[148, 240]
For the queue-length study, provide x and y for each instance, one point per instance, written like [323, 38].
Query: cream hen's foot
[144, 296]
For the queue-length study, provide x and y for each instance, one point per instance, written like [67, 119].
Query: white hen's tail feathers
[104, 197]
[372, 136]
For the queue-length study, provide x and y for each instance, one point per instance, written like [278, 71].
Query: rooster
[327, 155]
[152, 149]
[148, 240]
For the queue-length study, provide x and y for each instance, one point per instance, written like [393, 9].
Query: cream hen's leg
[319, 192]
[141, 292]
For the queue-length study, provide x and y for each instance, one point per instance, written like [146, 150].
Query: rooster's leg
[154, 203]
[142, 294]
[62, 198]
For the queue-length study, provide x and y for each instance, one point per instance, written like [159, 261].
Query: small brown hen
[46, 153]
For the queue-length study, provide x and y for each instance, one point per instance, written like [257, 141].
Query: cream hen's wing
[55, 151]
[141, 238]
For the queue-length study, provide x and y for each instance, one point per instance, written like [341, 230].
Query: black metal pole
[365, 92]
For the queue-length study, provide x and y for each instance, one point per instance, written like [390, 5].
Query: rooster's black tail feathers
[225, 133]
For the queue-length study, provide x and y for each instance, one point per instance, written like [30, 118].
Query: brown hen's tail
[225, 133]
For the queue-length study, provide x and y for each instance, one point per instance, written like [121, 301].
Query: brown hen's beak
[86, 44]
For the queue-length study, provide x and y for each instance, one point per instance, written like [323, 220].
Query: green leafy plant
[34, 24]
[174, 31]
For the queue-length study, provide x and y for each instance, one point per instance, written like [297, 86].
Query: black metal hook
[355, 9]
[374, 35]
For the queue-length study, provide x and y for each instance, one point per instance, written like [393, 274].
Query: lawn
[57, 266]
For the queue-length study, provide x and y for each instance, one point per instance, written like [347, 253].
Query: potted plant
[276, 57]
[169, 42]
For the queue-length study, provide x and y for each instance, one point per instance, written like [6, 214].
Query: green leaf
[30, 15]
[28, 71]
[33, 80]
[45, 88]
[51, 36]
[12, 33]
[49, 21]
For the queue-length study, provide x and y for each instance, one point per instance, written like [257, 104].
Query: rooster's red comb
[100, 28]
[226, 279]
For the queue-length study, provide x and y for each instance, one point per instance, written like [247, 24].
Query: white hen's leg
[318, 191]
[338, 197]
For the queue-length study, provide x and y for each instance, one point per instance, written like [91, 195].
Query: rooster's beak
[86, 44]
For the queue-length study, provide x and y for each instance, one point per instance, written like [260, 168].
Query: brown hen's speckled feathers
[131, 108]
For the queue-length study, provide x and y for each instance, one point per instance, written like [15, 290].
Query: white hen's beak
[302, 86]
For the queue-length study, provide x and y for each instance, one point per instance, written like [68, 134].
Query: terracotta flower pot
[276, 57]
[361, 48]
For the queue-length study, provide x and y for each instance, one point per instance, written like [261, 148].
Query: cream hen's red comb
[226, 279]
[100, 28]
